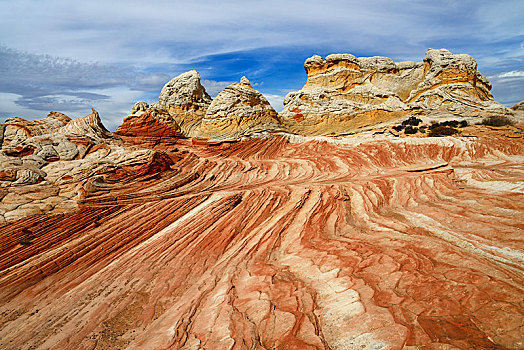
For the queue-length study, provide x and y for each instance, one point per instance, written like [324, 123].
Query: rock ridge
[346, 93]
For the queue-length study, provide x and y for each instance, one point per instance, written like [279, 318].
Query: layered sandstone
[149, 240]
[186, 100]
[150, 127]
[18, 129]
[344, 93]
[298, 242]
[51, 172]
[238, 110]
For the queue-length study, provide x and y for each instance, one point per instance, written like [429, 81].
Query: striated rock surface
[238, 110]
[150, 127]
[90, 126]
[280, 243]
[186, 100]
[18, 129]
[344, 93]
[149, 240]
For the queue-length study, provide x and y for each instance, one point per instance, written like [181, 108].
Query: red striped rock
[152, 127]
[288, 242]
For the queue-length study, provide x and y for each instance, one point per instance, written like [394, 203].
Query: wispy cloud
[511, 74]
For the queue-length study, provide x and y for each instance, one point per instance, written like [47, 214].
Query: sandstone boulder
[186, 100]
[344, 93]
[237, 111]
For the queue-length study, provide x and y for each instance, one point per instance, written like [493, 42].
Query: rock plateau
[220, 224]
[344, 93]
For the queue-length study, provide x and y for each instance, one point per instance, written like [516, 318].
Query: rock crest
[238, 110]
[150, 127]
[344, 93]
[186, 100]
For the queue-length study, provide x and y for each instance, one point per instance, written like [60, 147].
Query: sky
[69, 56]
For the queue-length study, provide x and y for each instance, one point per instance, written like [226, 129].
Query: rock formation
[152, 126]
[186, 100]
[139, 108]
[344, 93]
[145, 239]
[238, 110]
[518, 106]
[19, 129]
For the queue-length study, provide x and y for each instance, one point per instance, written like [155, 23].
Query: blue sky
[70, 56]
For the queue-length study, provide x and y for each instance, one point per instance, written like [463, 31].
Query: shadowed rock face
[344, 93]
[239, 110]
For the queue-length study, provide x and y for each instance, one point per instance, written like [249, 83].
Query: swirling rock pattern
[150, 127]
[287, 242]
[18, 129]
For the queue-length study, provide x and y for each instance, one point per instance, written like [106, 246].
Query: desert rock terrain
[221, 224]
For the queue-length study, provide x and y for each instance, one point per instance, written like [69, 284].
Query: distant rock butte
[237, 111]
[344, 93]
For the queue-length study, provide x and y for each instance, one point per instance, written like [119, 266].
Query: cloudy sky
[69, 56]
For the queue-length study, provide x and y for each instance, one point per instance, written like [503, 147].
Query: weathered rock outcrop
[238, 110]
[139, 108]
[186, 100]
[152, 126]
[91, 126]
[37, 143]
[18, 129]
[52, 172]
[518, 106]
[282, 242]
[344, 93]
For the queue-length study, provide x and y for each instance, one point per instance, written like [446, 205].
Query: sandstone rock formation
[298, 242]
[149, 240]
[518, 106]
[139, 108]
[344, 93]
[152, 126]
[186, 100]
[238, 110]
[52, 172]
[19, 129]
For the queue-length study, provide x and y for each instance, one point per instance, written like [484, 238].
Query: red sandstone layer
[414, 243]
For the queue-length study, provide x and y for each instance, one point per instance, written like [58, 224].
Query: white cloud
[277, 101]
[511, 74]
[214, 87]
